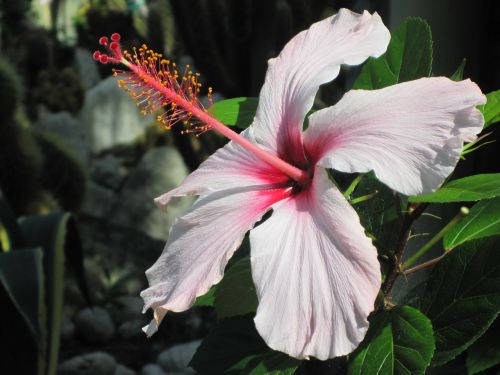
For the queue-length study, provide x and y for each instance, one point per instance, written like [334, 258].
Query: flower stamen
[154, 82]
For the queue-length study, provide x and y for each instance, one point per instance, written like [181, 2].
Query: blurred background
[79, 164]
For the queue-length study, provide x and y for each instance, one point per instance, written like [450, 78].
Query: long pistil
[182, 102]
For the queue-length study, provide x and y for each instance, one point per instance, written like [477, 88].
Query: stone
[96, 363]
[67, 329]
[86, 68]
[108, 172]
[110, 117]
[161, 169]
[94, 325]
[177, 358]
[127, 308]
[152, 369]
[123, 370]
[132, 329]
[98, 201]
[69, 130]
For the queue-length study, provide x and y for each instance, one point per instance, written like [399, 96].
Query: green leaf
[462, 296]
[207, 299]
[9, 222]
[399, 341]
[22, 327]
[235, 294]
[483, 221]
[485, 352]
[379, 215]
[459, 73]
[235, 112]
[491, 110]
[234, 347]
[408, 57]
[472, 188]
[57, 235]
[21, 276]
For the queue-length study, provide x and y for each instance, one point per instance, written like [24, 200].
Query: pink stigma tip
[96, 55]
[114, 45]
[115, 37]
[103, 41]
[103, 59]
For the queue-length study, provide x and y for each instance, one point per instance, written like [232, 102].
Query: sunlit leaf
[459, 73]
[483, 220]
[399, 341]
[491, 110]
[472, 188]
[411, 39]
[235, 112]
[207, 299]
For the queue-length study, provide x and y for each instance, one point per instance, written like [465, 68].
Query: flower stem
[406, 221]
[424, 249]
[424, 265]
[353, 185]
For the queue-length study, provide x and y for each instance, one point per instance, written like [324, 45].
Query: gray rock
[86, 68]
[69, 129]
[99, 201]
[97, 363]
[177, 358]
[160, 170]
[67, 328]
[108, 172]
[127, 308]
[152, 369]
[110, 117]
[123, 370]
[131, 329]
[95, 325]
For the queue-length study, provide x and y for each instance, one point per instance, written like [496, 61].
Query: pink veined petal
[410, 134]
[316, 274]
[310, 59]
[199, 246]
[229, 167]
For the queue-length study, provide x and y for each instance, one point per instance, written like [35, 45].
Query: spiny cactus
[20, 167]
[59, 91]
[63, 174]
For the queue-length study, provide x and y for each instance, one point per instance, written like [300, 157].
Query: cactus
[227, 37]
[59, 91]
[20, 167]
[11, 91]
[64, 176]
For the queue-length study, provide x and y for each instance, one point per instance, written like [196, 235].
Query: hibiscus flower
[315, 271]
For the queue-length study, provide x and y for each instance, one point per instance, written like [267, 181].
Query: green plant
[63, 174]
[31, 288]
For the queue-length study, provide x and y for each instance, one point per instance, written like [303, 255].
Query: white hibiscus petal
[410, 134]
[310, 59]
[229, 167]
[199, 246]
[316, 274]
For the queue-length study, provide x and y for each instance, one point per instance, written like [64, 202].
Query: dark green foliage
[226, 37]
[14, 17]
[59, 90]
[63, 175]
[20, 167]
[11, 91]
